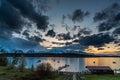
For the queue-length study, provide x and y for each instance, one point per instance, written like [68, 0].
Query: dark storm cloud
[4, 33]
[42, 5]
[27, 10]
[100, 48]
[105, 26]
[11, 13]
[26, 33]
[118, 44]
[58, 43]
[63, 36]
[36, 39]
[96, 40]
[107, 12]
[68, 43]
[84, 31]
[100, 16]
[10, 18]
[116, 31]
[78, 15]
[51, 33]
[109, 18]
[117, 41]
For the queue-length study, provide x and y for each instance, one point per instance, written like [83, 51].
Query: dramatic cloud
[58, 43]
[64, 36]
[27, 10]
[41, 5]
[51, 33]
[100, 48]
[13, 17]
[68, 43]
[35, 39]
[109, 18]
[96, 40]
[78, 15]
[84, 31]
[117, 31]
[13, 12]
[26, 33]
[4, 33]
[70, 48]
[10, 18]
[81, 32]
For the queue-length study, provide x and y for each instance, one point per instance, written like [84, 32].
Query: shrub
[3, 61]
[44, 70]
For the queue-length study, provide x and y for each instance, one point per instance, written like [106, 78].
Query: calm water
[75, 64]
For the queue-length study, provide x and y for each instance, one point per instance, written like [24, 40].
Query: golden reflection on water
[79, 64]
[114, 63]
[91, 61]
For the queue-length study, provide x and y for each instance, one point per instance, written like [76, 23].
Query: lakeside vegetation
[9, 71]
[75, 55]
[15, 74]
[102, 77]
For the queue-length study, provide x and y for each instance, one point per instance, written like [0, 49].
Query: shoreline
[70, 55]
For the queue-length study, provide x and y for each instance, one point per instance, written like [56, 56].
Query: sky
[92, 26]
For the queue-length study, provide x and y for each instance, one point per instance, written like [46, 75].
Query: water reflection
[75, 64]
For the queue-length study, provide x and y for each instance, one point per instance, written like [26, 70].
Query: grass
[102, 77]
[14, 74]
[6, 74]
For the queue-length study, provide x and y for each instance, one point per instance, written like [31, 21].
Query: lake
[75, 64]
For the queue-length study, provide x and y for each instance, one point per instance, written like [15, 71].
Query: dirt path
[74, 77]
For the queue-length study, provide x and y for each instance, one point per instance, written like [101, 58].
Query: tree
[32, 67]
[22, 63]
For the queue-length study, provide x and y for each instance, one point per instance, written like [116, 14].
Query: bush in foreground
[44, 71]
[3, 61]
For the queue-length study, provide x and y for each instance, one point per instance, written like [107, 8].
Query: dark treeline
[72, 55]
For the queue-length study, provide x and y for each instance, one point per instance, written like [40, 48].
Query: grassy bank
[6, 74]
[15, 74]
[102, 77]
